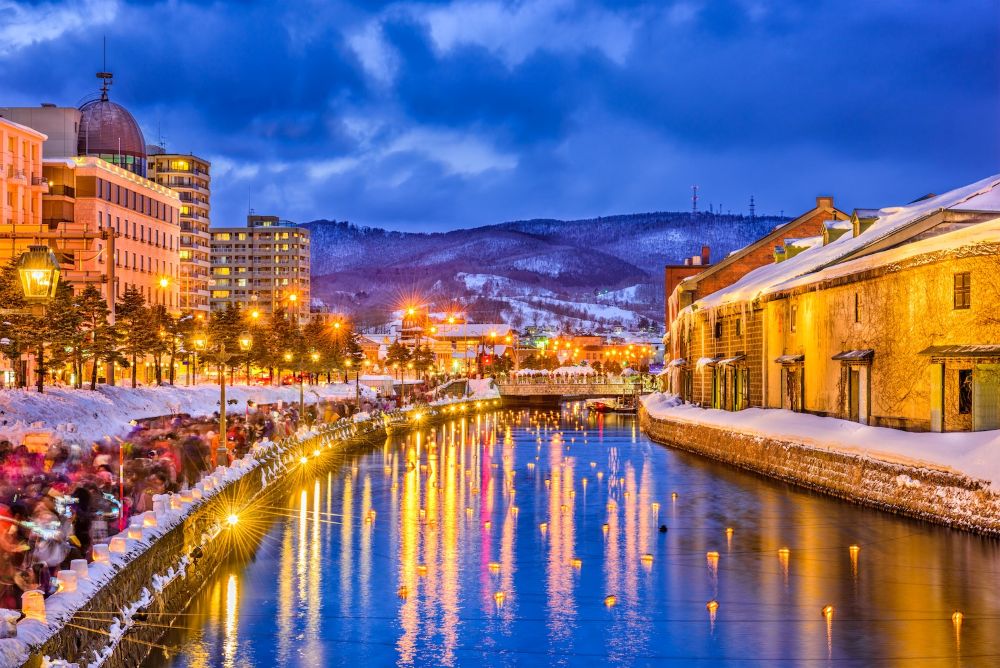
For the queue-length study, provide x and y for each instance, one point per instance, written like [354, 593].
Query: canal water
[530, 538]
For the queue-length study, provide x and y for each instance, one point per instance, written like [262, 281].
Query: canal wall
[126, 604]
[936, 494]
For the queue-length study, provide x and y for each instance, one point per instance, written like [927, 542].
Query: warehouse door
[986, 397]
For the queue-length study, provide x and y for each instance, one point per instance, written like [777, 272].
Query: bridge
[553, 391]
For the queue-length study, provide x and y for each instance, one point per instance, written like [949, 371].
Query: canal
[516, 538]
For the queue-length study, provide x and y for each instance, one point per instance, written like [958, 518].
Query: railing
[65, 191]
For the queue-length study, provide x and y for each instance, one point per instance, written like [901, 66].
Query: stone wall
[935, 495]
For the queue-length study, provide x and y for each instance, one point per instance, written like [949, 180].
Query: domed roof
[109, 131]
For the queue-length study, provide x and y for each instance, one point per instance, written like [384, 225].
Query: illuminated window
[964, 391]
[179, 165]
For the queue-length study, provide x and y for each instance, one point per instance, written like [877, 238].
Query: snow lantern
[33, 605]
[186, 497]
[175, 502]
[102, 553]
[118, 544]
[135, 528]
[80, 567]
[149, 518]
[67, 581]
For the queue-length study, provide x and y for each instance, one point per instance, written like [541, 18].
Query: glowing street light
[38, 269]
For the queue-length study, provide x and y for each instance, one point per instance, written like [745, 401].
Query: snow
[890, 220]
[976, 454]
[83, 416]
[954, 243]
[574, 371]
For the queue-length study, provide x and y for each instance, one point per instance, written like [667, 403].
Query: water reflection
[430, 550]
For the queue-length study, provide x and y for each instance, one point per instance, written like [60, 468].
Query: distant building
[21, 182]
[673, 274]
[190, 176]
[261, 267]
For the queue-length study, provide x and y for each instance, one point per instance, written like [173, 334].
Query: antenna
[753, 209]
[104, 74]
[694, 200]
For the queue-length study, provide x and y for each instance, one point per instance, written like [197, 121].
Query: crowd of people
[59, 500]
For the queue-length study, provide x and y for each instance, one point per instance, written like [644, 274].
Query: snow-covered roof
[470, 330]
[890, 220]
[950, 242]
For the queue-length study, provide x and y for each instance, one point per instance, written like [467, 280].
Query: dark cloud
[442, 114]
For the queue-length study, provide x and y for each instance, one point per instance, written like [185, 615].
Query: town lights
[246, 342]
[293, 297]
[288, 357]
[314, 357]
[199, 341]
[232, 520]
[38, 269]
[255, 314]
[164, 282]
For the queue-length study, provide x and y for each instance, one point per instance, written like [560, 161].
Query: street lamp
[199, 342]
[38, 270]
[246, 343]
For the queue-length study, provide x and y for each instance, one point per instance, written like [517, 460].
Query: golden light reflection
[231, 642]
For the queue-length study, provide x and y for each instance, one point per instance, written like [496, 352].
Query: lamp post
[200, 343]
[38, 270]
[246, 343]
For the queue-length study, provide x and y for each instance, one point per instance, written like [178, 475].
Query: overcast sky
[436, 115]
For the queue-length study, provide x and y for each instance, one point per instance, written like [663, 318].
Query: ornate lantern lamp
[38, 269]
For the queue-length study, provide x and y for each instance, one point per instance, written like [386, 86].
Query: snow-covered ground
[976, 454]
[84, 416]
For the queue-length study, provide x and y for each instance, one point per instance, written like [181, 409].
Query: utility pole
[694, 200]
[753, 209]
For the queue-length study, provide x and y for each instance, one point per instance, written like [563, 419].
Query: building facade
[888, 322]
[190, 177]
[21, 181]
[261, 267]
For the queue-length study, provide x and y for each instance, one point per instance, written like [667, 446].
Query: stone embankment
[126, 601]
[934, 494]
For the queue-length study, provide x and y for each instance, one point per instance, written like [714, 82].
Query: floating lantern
[423, 513]
[828, 611]
[646, 559]
[67, 581]
[593, 465]
[487, 525]
[783, 553]
[474, 490]
[387, 470]
[494, 567]
[957, 617]
[712, 606]
[468, 511]
[515, 510]
[33, 605]
[149, 519]
[655, 507]
[600, 476]
[604, 528]
[543, 526]
[79, 566]
[576, 562]
[673, 496]
[563, 508]
[499, 598]
[611, 506]
[102, 553]
[548, 483]
[610, 601]
[627, 494]
[421, 570]
[402, 592]
[118, 544]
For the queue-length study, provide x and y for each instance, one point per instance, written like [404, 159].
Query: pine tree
[100, 338]
[64, 323]
[133, 318]
[15, 328]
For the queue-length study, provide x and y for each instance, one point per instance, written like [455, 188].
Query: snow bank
[85, 416]
[976, 454]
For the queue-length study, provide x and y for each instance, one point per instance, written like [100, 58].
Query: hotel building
[261, 267]
[190, 177]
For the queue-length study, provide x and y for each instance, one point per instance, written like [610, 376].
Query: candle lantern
[67, 581]
[80, 567]
[8, 623]
[175, 502]
[33, 605]
[118, 545]
[102, 553]
[135, 528]
[149, 519]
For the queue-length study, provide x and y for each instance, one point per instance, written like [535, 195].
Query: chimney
[696, 260]
[824, 202]
[687, 262]
[705, 255]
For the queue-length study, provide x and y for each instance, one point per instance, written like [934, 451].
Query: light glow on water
[454, 573]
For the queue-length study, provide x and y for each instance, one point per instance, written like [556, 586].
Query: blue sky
[436, 115]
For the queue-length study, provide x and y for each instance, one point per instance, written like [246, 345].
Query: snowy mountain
[582, 273]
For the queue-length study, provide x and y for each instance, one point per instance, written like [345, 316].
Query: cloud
[442, 113]
[516, 30]
[23, 24]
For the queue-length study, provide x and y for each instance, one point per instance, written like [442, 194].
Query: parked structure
[887, 321]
